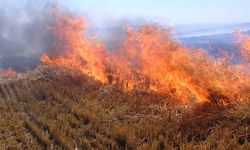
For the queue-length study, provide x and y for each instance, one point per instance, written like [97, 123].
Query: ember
[8, 71]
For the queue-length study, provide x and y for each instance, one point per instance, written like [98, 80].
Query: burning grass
[62, 108]
[148, 59]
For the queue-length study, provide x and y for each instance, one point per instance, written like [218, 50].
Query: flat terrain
[57, 108]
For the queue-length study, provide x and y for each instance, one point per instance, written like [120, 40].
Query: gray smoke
[24, 33]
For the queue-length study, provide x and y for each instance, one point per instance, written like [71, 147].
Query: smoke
[113, 31]
[24, 33]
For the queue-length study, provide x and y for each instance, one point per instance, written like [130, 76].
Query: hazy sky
[170, 11]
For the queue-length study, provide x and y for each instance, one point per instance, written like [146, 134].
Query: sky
[168, 11]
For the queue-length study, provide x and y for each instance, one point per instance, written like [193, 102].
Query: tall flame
[78, 51]
[245, 47]
[149, 59]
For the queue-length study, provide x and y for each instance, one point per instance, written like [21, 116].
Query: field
[58, 108]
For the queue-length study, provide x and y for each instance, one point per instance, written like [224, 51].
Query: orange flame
[8, 71]
[245, 47]
[78, 52]
[149, 59]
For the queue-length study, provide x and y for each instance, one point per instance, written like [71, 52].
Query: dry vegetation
[56, 108]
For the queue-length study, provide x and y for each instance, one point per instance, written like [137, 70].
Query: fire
[78, 51]
[245, 47]
[8, 71]
[150, 60]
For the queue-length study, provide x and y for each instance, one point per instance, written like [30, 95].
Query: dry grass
[61, 109]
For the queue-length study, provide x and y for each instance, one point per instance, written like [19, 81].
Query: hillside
[60, 108]
[196, 30]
